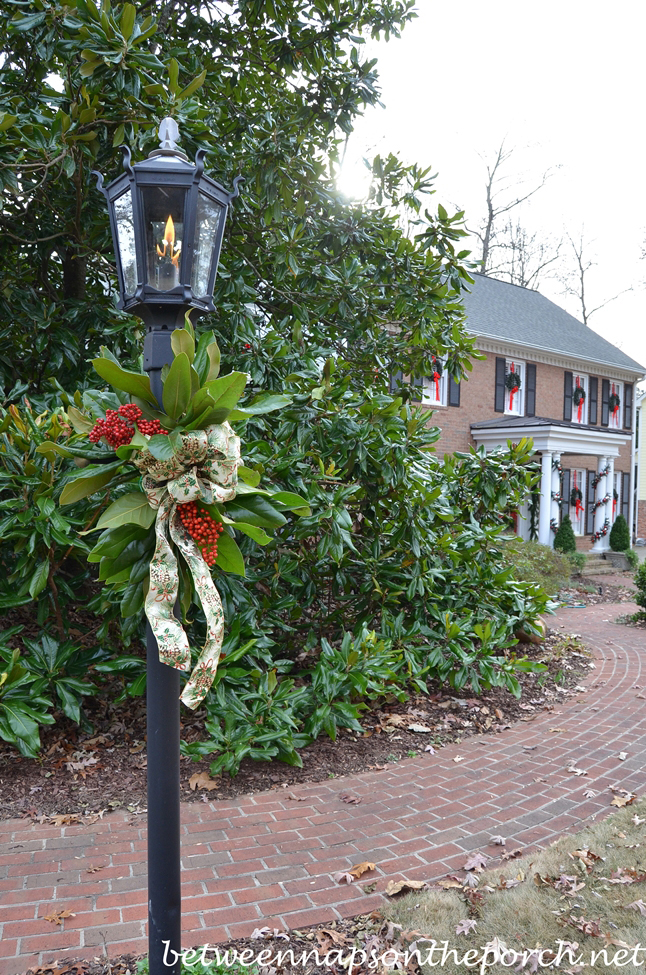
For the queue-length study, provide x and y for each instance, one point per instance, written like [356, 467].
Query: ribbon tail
[172, 641]
[206, 666]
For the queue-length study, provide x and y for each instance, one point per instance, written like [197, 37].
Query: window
[579, 398]
[615, 405]
[510, 387]
[434, 387]
[577, 501]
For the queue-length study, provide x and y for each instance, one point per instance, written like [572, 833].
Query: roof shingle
[499, 310]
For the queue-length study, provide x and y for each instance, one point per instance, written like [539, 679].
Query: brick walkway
[267, 858]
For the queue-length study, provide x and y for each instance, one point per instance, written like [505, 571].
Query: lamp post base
[164, 884]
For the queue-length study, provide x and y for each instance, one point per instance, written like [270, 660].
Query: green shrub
[633, 558]
[619, 535]
[640, 582]
[538, 564]
[23, 708]
[578, 560]
[564, 540]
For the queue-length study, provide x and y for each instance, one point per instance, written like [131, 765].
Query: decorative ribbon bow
[204, 469]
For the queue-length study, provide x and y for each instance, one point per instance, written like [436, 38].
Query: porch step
[600, 569]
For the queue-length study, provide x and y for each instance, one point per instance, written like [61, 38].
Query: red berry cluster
[119, 426]
[151, 427]
[202, 528]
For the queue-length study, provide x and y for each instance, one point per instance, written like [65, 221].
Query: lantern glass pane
[207, 225]
[126, 238]
[163, 208]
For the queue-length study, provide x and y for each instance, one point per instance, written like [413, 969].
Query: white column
[610, 482]
[555, 507]
[600, 513]
[545, 508]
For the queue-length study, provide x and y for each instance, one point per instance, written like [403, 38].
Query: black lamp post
[167, 220]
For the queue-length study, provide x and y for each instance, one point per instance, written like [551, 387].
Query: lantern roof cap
[168, 135]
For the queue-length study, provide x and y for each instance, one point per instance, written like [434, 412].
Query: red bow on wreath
[437, 375]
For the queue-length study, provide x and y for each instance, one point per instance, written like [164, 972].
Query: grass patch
[554, 895]
[536, 563]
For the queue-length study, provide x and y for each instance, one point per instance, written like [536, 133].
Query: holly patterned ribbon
[205, 468]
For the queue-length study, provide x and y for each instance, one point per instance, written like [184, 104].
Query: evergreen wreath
[512, 381]
[575, 495]
[614, 402]
[579, 395]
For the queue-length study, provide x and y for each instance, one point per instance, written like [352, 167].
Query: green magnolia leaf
[24, 727]
[182, 341]
[254, 509]
[249, 476]
[114, 540]
[226, 391]
[213, 356]
[39, 580]
[89, 482]
[127, 22]
[161, 447]
[130, 509]
[292, 501]
[176, 394]
[192, 87]
[202, 361]
[229, 556]
[80, 422]
[268, 403]
[135, 383]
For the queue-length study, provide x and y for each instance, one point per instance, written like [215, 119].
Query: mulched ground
[81, 773]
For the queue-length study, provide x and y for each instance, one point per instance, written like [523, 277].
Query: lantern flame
[169, 250]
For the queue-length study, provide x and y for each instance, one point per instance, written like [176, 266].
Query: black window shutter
[567, 396]
[565, 491]
[589, 504]
[396, 380]
[592, 397]
[625, 494]
[454, 391]
[628, 406]
[501, 369]
[605, 397]
[530, 390]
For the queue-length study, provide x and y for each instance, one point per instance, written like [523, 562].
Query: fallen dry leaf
[499, 714]
[394, 887]
[94, 869]
[623, 756]
[589, 794]
[573, 770]
[459, 758]
[430, 749]
[296, 798]
[637, 821]
[637, 906]
[421, 729]
[476, 862]
[621, 801]
[350, 799]
[465, 926]
[267, 932]
[57, 917]
[329, 935]
[343, 877]
[202, 780]
[361, 868]
[585, 856]
[512, 854]
[558, 731]
[498, 840]
[450, 883]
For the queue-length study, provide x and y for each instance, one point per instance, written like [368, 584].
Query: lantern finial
[168, 134]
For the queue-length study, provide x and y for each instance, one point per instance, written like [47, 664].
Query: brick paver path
[267, 858]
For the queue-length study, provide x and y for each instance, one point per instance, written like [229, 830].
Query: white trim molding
[553, 358]
[552, 437]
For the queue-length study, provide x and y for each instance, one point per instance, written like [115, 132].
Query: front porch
[577, 477]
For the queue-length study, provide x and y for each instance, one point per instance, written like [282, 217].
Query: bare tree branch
[574, 283]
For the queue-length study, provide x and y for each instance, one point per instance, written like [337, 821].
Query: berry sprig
[202, 528]
[118, 428]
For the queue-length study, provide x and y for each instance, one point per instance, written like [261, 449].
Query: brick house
[549, 377]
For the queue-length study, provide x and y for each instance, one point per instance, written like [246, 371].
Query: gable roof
[499, 310]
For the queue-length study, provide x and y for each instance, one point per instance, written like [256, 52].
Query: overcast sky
[563, 84]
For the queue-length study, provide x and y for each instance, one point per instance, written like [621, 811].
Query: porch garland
[558, 497]
[615, 499]
[578, 398]
[553, 525]
[599, 475]
[437, 375]
[614, 402]
[557, 466]
[603, 531]
[512, 382]
[600, 502]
